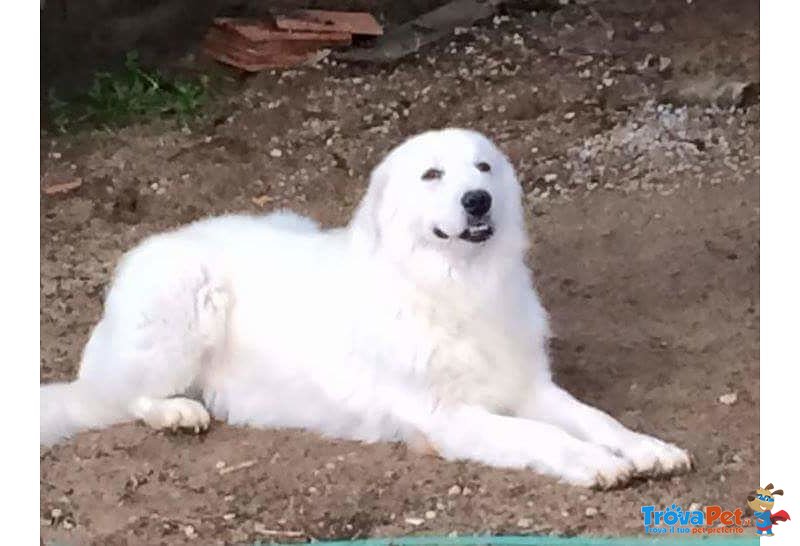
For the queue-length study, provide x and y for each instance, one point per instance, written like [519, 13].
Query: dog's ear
[769, 487]
[751, 498]
[778, 492]
[365, 224]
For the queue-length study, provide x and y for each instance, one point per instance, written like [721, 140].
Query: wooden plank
[425, 29]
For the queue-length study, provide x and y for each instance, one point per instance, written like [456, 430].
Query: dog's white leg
[470, 432]
[165, 324]
[550, 403]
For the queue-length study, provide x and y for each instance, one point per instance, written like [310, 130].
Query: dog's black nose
[476, 202]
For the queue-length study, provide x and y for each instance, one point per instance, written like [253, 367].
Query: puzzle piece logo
[761, 502]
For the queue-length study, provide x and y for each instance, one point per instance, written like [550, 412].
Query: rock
[454, 491]
[416, 522]
[524, 523]
[591, 512]
[657, 28]
[430, 514]
[275, 152]
[728, 399]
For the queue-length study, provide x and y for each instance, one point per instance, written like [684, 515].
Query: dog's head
[445, 196]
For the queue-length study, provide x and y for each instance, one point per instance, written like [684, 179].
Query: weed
[131, 94]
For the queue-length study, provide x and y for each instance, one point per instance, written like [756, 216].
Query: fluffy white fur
[378, 331]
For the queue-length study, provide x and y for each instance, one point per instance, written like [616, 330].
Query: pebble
[550, 177]
[524, 523]
[275, 152]
[591, 512]
[728, 399]
[229, 516]
[430, 514]
[189, 531]
[454, 491]
[416, 522]
[569, 115]
[657, 28]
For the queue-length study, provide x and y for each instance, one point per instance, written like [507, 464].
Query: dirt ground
[645, 218]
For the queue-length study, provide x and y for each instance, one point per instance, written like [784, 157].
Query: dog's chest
[473, 356]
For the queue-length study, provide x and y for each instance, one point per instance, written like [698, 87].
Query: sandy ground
[645, 221]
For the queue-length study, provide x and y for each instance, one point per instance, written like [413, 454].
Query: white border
[780, 269]
[19, 272]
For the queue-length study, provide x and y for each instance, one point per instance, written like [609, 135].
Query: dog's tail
[68, 408]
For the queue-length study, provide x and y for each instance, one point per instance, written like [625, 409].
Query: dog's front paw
[596, 467]
[653, 457]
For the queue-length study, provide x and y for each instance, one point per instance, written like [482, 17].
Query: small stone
[569, 115]
[657, 28]
[728, 399]
[416, 522]
[330, 466]
[550, 177]
[189, 531]
[229, 516]
[220, 464]
[275, 152]
[524, 523]
[56, 513]
[454, 491]
[591, 512]
[466, 491]
[694, 506]
[430, 514]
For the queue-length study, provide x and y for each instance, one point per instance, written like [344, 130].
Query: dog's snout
[476, 202]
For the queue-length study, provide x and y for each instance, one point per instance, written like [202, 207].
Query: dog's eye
[483, 167]
[432, 174]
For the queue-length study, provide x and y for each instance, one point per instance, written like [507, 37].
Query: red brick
[351, 22]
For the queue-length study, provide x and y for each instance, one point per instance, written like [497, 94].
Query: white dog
[417, 322]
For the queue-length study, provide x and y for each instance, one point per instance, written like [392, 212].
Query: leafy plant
[117, 98]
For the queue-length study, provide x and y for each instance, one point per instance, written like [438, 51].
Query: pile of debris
[301, 37]
[284, 40]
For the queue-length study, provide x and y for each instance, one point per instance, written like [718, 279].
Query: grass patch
[128, 95]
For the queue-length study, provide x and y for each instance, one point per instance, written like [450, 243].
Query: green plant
[117, 98]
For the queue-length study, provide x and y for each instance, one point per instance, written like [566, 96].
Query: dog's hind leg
[164, 326]
[184, 335]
